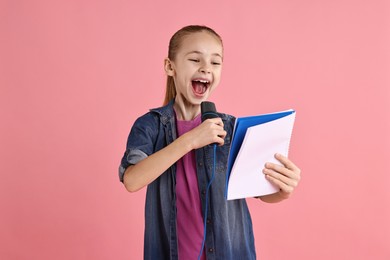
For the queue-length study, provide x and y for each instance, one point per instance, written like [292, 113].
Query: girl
[168, 151]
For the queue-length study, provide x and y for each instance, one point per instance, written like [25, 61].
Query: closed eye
[194, 60]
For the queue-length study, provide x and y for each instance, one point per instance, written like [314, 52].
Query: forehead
[203, 42]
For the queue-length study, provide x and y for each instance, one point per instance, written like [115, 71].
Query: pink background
[74, 75]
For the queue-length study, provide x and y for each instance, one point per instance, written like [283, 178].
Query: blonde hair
[174, 46]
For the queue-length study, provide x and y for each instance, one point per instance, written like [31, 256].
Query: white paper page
[260, 144]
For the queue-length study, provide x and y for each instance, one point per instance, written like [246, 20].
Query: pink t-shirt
[189, 212]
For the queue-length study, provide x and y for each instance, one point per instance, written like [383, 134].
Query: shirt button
[203, 192]
[208, 221]
[211, 250]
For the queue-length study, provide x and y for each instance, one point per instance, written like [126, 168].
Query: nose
[205, 68]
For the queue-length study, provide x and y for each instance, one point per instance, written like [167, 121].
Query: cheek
[214, 86]
[218, 74]
[217, 80]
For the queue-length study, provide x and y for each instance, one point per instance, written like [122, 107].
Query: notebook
[255, 141]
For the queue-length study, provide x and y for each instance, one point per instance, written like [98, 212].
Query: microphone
[208, 110]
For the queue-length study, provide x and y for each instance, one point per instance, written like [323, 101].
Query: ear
[169, 67]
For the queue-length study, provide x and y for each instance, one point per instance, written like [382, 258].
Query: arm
[285, 177]
[144, 172]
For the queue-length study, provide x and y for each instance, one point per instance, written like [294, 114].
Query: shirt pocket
[222, 155]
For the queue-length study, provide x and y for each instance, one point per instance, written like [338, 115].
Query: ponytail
[170, 92]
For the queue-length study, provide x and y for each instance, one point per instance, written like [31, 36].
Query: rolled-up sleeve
[140, 143]
[131, 157]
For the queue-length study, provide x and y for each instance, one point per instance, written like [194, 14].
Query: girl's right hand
[210, 131]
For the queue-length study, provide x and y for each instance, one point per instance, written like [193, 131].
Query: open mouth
[200, 86]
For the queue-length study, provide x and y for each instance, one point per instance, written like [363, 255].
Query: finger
[293, 182]
[220, 141]
[222, 134]
[214, 124]
[281, 185]
[221, 137]
[288, 167]
[286, 162]
[217, 121]
[280, 169]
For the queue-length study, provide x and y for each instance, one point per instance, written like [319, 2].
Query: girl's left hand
[285, 176]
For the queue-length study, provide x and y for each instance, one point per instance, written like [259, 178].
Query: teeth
[203, 81]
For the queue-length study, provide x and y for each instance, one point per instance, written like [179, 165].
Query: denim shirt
[229, 232]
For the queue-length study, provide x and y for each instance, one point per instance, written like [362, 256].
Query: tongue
[198, 87]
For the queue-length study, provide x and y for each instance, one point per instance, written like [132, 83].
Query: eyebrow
[199, 52]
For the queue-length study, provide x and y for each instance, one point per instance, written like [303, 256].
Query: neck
[185, 110]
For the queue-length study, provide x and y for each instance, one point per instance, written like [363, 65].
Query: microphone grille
[208, 110]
